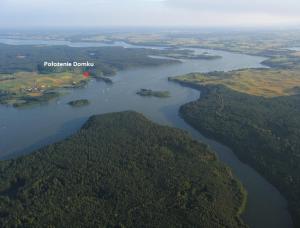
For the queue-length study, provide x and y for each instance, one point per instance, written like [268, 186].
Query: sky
[154, 13]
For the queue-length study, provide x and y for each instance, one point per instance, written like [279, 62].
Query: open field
[28, 87]
[285, 61]
[258, 82]
[31, 81]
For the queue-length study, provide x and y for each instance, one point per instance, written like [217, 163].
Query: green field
[25, 81]
[26, 88]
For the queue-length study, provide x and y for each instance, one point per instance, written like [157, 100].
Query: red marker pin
[86, 74]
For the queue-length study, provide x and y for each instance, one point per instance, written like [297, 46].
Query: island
[188, 54]
[121, 170]
[79, 103]
[152, 93]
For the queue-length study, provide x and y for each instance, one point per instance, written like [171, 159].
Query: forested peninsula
[120, 170]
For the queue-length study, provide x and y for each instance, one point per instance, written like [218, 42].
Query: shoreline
[204, 90]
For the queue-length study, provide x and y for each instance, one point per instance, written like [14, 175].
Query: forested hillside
[120, 170]
[107, 59]
[263, 132]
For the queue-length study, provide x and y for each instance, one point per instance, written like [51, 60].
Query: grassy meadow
[30, 87]
[258, 82]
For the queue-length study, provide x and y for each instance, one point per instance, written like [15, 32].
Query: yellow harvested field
[259, 82]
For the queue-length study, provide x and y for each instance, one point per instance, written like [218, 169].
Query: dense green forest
[263, 132]
[79, 103]
[120, 170]
[107, 59]
[153, 93]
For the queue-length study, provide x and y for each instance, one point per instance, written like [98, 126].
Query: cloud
[239, 6]
[93, 13]
[77, 12]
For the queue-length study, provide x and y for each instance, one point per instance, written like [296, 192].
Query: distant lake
[294, 48]
[71, 44]
[23, 130]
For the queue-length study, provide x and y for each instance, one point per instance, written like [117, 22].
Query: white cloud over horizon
[94, 13]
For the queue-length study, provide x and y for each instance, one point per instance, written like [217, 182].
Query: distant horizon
[44, 29]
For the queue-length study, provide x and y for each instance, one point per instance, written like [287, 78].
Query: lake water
[71, 44]
[294, 48]
[23, 130]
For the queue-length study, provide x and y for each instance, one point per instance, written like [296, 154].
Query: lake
[23, 130]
